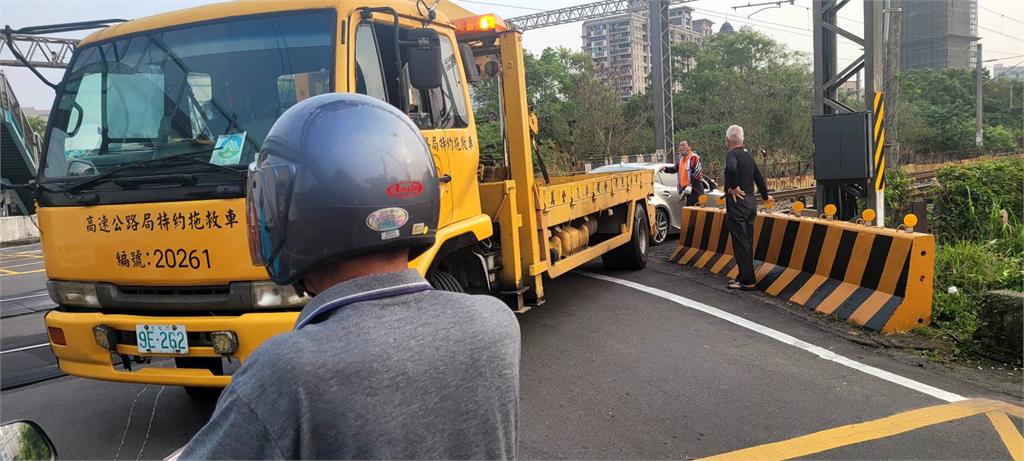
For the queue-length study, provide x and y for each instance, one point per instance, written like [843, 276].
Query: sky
[1001, 26]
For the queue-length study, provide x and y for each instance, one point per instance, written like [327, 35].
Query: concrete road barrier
[18, 229]
[874, 277]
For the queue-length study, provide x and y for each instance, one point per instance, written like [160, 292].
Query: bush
[897, 194]
[999, 139]
[974, 268]
[968, 195]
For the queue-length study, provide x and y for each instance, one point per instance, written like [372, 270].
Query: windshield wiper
[184, 157]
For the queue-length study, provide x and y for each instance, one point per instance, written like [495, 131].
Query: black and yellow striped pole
[878, 182]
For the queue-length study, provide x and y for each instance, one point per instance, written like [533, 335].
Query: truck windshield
[208, 91]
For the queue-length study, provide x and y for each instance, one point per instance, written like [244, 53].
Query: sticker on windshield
[229, 149]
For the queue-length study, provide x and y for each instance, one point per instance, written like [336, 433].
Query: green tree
[744, 78]
[579, 113]
[38, 124]
[1000, 139]
[937, 111]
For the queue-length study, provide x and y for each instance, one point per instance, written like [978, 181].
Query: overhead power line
[503, 5]
[1005, 72]
[1001, 14]
[1004, 59]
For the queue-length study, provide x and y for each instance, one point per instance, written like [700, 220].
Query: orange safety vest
[684, 175]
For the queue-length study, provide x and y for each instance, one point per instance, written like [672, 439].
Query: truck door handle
[445, 179]
[666, 194]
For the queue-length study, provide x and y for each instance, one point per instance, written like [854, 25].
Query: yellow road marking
[872, 430]
[12, 266]
[19, 257]
[28, 256]
[7, 273]
[1009, 433]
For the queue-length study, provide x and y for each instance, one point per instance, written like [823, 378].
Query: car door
[665, 186]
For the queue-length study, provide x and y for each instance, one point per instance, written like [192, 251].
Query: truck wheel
[444, 281]
[632, 255]
[215, 365]
[611, 261]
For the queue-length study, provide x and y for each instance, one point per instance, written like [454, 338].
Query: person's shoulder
[273, 358]
[481, 306]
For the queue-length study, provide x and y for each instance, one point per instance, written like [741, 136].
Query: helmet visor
[268, 197]
[253, 216]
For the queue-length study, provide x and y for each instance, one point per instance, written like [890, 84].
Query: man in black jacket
[741, 173]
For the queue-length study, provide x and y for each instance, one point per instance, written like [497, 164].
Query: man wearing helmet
[379, 365]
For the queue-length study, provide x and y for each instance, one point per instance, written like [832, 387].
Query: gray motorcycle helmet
[340, 175]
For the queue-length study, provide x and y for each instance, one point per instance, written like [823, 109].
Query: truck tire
[632, 255]
[210, 363]
[444, 281]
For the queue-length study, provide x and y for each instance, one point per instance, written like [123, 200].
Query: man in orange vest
[690, 173]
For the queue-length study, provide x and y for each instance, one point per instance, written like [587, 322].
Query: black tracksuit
[741, 171]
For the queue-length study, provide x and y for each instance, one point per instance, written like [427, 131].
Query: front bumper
[81, 356]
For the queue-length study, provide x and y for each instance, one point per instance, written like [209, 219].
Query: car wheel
[661, 226]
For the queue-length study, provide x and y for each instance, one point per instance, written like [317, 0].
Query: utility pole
[979, 101]
[661, 77]
[875, 79]
[893, 34]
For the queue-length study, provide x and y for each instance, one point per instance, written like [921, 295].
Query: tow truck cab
[142, 190]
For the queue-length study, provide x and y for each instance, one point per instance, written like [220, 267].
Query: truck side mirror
[469, 62]
[25, 440]
[424, 58]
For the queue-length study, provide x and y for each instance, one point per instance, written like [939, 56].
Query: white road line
[37, 346]
[784, 338]
[25, 297]
[4, 249]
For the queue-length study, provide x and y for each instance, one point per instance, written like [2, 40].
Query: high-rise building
[939, 34]
[704, 27]
[1008, 72]
[620, 48]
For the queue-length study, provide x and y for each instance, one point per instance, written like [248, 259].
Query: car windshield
[209, 91]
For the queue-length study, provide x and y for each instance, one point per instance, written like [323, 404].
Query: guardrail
[16, 117]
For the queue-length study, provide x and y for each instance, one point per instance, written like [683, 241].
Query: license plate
[162, 339]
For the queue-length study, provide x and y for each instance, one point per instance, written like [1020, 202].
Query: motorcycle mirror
[25, 440]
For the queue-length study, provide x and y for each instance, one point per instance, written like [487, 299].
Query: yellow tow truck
[141, 193]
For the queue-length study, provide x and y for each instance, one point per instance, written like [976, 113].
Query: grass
[965, 270]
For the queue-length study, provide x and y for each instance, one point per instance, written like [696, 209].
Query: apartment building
[619, 45]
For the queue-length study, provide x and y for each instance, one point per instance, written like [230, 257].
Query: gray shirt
[431, 375]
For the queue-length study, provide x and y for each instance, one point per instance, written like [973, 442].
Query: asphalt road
[612, 371]
[23, 302]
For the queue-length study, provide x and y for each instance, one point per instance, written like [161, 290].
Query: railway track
[923, 180]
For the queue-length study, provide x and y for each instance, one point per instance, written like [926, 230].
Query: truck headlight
[271, 295]
[73, 293]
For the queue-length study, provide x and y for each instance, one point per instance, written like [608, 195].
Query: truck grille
[176, 291]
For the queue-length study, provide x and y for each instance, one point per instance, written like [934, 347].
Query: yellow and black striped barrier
[874, 277]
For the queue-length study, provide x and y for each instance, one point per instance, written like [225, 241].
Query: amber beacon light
[484, 23]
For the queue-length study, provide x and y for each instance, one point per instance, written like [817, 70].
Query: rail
[922, 181]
